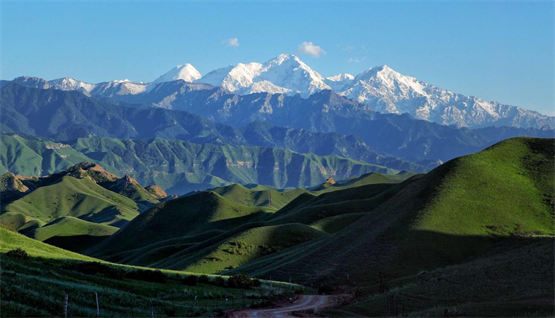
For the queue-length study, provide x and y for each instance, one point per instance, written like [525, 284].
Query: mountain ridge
[381, 88]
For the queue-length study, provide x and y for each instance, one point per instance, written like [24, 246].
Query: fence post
[151, 309]
[65, 305]
[97, 306]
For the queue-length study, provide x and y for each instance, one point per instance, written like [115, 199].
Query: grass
[333, 224]
[172, 248]
[82, 198]
[517, 282]
[184, 216]
[458, 211]
[70, 226]
[242, 248]
[37, 287]
[269, 197]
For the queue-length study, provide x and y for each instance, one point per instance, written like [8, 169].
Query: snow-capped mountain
[186, 72]
[285, 74]
[388, 91]
[339, 81]
[380, 88]
[70, 84]
[105, 89]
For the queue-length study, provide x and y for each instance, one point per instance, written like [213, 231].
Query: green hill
[241, 248]
[74, 208]
[258, 196]
[512, 283]
[185, 216]
[82, 198]
[457, 211]
[70, 226]
[37, 286]
[172, 247]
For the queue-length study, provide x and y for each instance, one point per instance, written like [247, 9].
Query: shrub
[93, 268]
[241, 281]
[149, 276]
[203, 279]
[218, 281]
[18, 253]
[190, 280]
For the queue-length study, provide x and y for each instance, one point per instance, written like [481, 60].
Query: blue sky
[501, 51]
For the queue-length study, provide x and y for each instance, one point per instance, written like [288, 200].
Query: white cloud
[310, 49]
[234, 42]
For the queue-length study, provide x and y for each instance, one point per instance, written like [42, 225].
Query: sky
[502, 51]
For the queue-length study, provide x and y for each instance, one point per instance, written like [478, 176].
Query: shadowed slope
[458, 210]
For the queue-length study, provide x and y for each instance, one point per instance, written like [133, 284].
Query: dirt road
[304, 303]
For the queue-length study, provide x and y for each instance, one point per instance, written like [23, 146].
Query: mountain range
[379, 88]
[324, 124]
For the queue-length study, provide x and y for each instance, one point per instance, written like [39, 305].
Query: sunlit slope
[180, 217]
[82, 198]
[456, 211]
[150, 248]
[241, 248]
[11, 240]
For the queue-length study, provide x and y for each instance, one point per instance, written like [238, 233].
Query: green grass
[70, 226]
[517, 282]
[37, 287]
[513, 181]
[184, 216]
[270, 197]
[333, 224]
[459, 210]
[11, 240]
[82, 198]
[193, 212]
[241, 248]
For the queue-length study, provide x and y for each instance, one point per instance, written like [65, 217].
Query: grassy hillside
[242, 248]
[82, 198]
[175, 247]
[269, 197]
[70, 226]
[37, 286]
[11, 240]
[74, 208]
[185, 216]
[461, 209]
[509, 283]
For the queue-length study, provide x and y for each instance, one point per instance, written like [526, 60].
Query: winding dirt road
[304, 303]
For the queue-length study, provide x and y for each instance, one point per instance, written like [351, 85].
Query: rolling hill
[459, 210]
[418, 236]
[37, 285]
[74, 208]
[186, 233]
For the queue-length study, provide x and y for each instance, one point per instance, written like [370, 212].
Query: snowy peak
[186, 72]
[339, 81]
[71, 84]
[382, 82]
